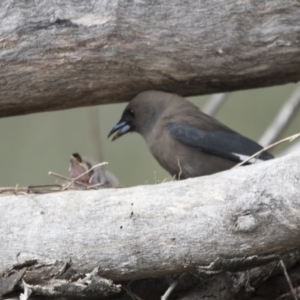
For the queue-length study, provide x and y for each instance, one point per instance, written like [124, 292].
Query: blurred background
[35, 144]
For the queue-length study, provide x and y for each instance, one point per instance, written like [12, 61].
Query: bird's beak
[121, 128]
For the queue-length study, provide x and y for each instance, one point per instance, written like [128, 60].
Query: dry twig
[287, 139]
[288, 279]
[172, 287]
[84, 173]
[179, 166]
[66, 178]
[129, 292]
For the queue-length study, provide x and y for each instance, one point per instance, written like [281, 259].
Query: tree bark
[58, 55]
[228, 221]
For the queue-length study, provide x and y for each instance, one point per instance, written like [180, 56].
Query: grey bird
[185, 141]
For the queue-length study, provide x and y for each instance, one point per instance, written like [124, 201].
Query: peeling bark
[264, 283]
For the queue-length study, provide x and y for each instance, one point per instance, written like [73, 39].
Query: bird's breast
[173, 156]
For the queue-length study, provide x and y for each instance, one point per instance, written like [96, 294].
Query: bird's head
[126, 124]
[78, 166]
[140, 114]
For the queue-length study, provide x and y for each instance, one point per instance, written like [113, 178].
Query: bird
[80, 168]
[185, 141]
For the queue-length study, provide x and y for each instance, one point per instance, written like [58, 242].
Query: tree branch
[58, 55]
[220, 222]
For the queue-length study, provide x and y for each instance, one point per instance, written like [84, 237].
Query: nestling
[185, 141]
[96, 177]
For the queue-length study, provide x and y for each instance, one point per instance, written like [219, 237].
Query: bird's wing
[227, 144]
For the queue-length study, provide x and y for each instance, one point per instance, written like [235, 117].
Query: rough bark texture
[63, 54]
[262, 283]
[228, 221]
[62, 244]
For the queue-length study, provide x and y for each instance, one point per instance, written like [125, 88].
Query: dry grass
[256, 155]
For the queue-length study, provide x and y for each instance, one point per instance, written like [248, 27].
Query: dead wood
[57, 55]
[228, 221]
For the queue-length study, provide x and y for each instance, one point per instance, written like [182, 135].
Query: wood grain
[152, 231]
[57, 55]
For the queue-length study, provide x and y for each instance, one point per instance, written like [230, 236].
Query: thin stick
[84, 173]
[180, 169]
[95, 185]
[288, 279]
[59, 176]
[33, 189]
[167, 179]
[214, 103]
[38, 189]
[289, 139]
[66, 178]
[287, 296]
[13, 189]
[171, 287]
[130, 293]
[283, 118]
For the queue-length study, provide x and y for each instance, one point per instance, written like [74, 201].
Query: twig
[215, 103]
[78, 177]
[287, 296]
[288, 279]
[59, 176]
[289, 139]
[130, 293]
[172, 287]
[74, 180]
[38, 189]
[13, 189]
[180, 169]
[90, 187]
[167, 179]
[43, 188]
[283, 118]
[66, 178]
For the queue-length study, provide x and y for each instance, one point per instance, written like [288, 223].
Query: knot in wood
[245, 223]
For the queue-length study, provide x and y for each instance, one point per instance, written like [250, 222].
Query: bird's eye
[131, 112]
